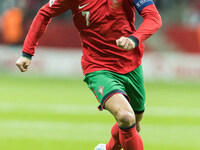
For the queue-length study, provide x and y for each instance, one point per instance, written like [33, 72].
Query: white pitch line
[92, 109]
[186, 136]
[69, 131]
[173, 112]
[49, 125]
[49, 108]
[54, 130]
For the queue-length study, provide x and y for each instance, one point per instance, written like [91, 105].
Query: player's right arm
[38, 27]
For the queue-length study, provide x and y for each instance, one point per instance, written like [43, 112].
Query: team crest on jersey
[116, 4]
[101, 88]
[114, 1]
[51, 2]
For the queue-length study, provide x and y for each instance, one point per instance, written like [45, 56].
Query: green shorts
[105, 83]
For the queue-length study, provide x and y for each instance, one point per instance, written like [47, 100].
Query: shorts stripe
[107, 96]
[94, 92]
[139, 112]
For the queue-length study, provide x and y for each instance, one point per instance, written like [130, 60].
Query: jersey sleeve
[152, 20]
[40, 23]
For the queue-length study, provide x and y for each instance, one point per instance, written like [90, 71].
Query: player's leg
[124, 114]
[138, 121]
[114, 143]
[136, 92]
[119, 107]
[134, 85]
[105, 85]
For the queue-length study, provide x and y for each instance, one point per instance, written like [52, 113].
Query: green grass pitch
[61, 114]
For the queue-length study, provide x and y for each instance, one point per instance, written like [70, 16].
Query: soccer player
[111, 61]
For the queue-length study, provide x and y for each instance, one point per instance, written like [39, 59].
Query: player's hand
[23, 63]
[125, 43]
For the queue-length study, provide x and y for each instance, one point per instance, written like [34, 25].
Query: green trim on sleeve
[26, 55]
[135, 40]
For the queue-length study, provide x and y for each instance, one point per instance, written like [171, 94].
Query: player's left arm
[152, 22]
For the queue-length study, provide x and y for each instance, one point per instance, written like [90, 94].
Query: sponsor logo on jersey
[51, 2]
[114, 1]
[80, 7]
[101, 88]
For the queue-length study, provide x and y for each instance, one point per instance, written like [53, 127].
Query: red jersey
[101, 23]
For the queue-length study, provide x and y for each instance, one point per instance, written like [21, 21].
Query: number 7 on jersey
[86, 14]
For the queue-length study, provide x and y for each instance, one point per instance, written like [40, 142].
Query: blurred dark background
[178, 16]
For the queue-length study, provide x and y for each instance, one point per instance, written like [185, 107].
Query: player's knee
[125, 118]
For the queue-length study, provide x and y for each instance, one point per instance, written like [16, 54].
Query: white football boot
[100, 147]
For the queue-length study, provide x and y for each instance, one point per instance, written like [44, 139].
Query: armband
[140, 4]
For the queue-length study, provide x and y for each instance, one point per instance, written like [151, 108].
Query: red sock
[114, 143]
[130, 139]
